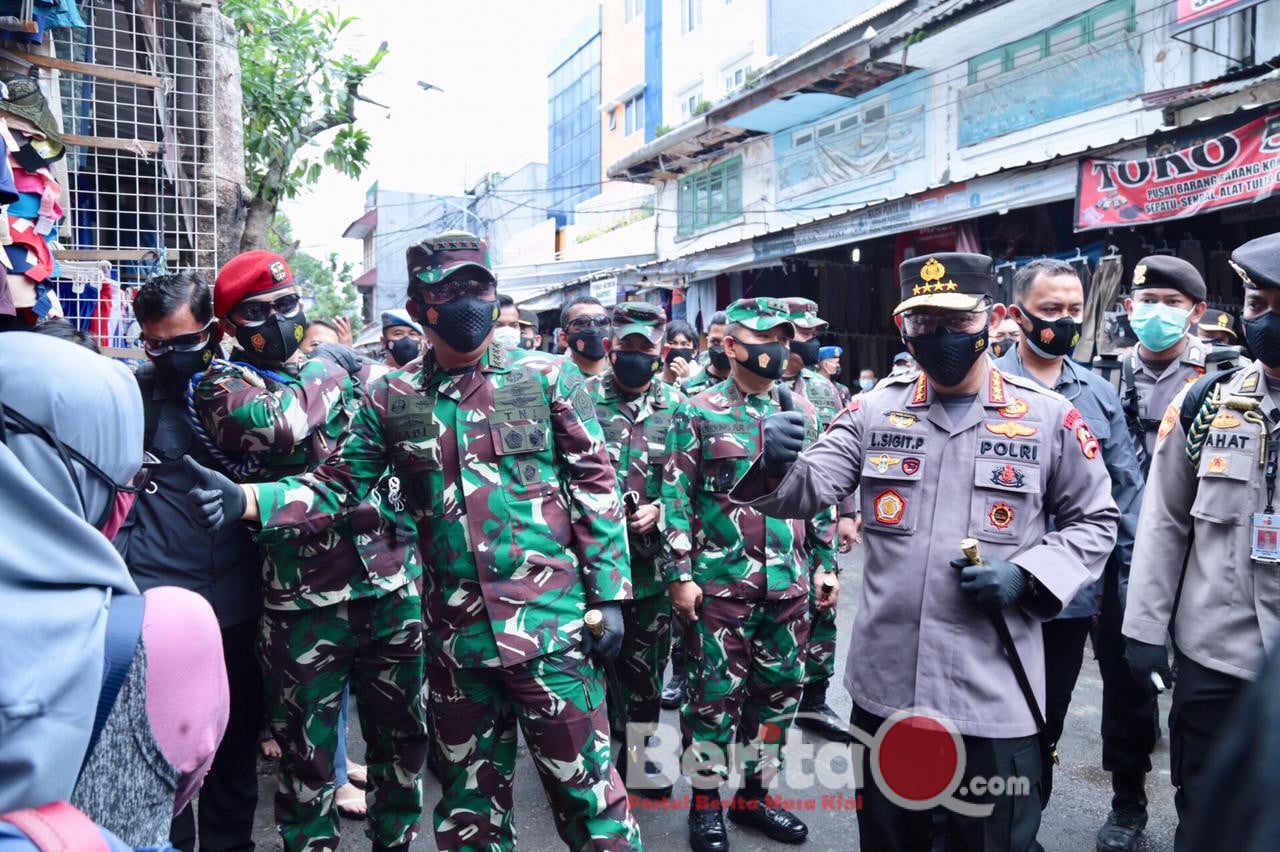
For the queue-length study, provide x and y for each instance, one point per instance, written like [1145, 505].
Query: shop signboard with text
[1237, 166]
[1189, 14]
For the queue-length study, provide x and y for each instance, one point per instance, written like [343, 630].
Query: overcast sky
[490, 57]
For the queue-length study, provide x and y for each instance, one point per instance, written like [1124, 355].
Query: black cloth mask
[176, 368]
[634, 370]
[275, 341]
[719, 359]
[947, 356]
[404, 349]
[589, 344]
[1263, 336]
[683, 352]
[807, 350]
[999, 347]
[463, 322]
[766, 360]
[1051, 339]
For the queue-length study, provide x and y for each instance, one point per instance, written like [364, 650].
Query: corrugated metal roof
[361, 227]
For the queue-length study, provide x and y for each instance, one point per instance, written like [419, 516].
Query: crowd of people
[207, 558]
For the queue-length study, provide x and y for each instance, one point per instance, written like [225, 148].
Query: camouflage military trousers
[309, 657]
[820, 652]
[558, 701]
[745, 670]
[640, 664]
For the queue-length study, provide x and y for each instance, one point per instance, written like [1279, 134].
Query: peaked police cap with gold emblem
[1257, 262]
[761, 314]
[954, 281]
[434, 259]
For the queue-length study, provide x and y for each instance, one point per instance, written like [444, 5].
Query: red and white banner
[1238, 166]
[1188, 14]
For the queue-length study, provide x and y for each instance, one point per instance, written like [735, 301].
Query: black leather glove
[344, 356]
[606, 648]
[992, 585]
[1145, 660]
[215, 501]
[783, 441]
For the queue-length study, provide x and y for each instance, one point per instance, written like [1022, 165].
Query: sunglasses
[192, 342]
[142, 478]
[451, 288]
[256, 313]
[586, 323]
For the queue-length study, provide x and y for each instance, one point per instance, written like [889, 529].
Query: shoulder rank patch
[889, 507]
[1167, 422]
[995, 387]
[920, 394]
[1250, 383]
[1014, 410]
[1226, 420]
[582, 404]
[1011, 429]
[901, 419]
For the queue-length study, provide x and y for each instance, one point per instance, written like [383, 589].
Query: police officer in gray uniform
[1167, 303]
[956, 451]
[1208, 546]
[1048, 309]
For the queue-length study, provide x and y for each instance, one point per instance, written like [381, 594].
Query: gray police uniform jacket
[1229, 610]
[1018, 454]
[1100, 404]
[1155, 392]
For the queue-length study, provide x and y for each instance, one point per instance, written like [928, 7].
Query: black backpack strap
[124, 629]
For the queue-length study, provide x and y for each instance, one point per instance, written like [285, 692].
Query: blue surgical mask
[1158, 327]
[866, 384]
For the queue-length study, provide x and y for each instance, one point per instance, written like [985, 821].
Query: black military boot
[673, 692]
[816, 716]
[707, 832]
[1128, 815]
[751, 808]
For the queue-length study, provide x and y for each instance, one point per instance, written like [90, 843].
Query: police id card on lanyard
[1266, 524]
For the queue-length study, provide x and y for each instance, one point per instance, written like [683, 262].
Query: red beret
[246, 275]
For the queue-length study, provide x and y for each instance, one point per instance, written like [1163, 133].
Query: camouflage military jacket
[731, 550]
[504, 469]
[821, 393]
[293, 426]
[697, 384]
[635, 432]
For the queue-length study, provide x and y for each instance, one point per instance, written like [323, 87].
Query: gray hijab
[57, 572]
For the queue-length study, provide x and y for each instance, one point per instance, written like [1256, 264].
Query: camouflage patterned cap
[639, 318]
[434, 259]
[761, 314]
[804, 313]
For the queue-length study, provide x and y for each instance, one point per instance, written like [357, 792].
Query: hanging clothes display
[1104, 292]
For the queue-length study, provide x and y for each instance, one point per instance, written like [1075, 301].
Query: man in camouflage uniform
[738, 580]
[342, 606]
[635, 407]
[502, 463]
[715, 364]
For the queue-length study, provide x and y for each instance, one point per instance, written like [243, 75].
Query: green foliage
[752, 80]
[702, 107]
[328, 281]
[661, 130]
[296, 87]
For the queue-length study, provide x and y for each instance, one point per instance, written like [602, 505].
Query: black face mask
[634, 370]
[1263, 336]
[1054, 339]
[463, 322]
[176, 368]
[275, 341]
[719, 359]
[683, 352]
[947, 356]
[589, 344]
[807, 350]
[766, 360]
[526, 343]
[999, 347]
[404, 349]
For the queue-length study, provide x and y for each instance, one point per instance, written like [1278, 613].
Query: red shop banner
[1236, 167]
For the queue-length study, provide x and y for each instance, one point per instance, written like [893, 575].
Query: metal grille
[135, 101]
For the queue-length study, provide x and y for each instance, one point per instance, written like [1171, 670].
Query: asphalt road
[1081, 796]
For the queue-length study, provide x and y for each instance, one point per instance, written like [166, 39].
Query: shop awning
[362, 227]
